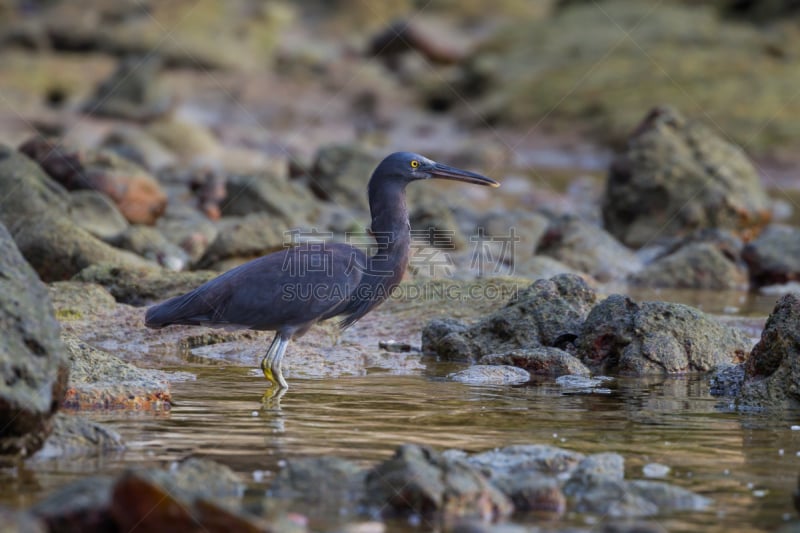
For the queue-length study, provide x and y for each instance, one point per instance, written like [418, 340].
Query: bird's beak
[451, 173]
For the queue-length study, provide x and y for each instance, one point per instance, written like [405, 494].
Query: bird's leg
[271, 363]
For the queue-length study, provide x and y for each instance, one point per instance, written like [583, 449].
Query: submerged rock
[491, 375]
[598, 486]
[545, 360]
[587, 248]
[137, 194]
[74, 435]
[34, 209]
[325, 486]
[774, 257]
[20, 522]
[771, 372]
[33, 367]
[620, 335]
[543, 314]
[677, 176]
[193, 494]
[419, 481]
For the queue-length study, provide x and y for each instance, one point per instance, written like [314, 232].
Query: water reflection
[734, 459]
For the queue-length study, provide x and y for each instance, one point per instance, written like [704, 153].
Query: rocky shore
[135, 167]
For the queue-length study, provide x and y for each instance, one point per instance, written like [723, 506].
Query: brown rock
[137, 194]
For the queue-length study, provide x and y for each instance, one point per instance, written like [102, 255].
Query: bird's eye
[414, 163]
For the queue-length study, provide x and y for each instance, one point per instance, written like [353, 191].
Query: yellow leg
[271, 363]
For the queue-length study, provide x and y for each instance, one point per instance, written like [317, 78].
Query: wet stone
[620, 335]
[100, 380]
[418, 481]
[545, 361]
[771, 374]
[74, 435]
[491, 375]
[541, 315]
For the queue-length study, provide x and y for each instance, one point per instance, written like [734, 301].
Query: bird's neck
[391, 229]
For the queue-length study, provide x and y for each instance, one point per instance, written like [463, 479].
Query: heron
[279, 292]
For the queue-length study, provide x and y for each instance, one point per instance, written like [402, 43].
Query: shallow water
[748, 463]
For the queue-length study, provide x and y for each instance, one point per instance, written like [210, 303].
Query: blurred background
[278, 111]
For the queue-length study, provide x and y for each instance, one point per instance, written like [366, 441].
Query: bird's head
[405, 167]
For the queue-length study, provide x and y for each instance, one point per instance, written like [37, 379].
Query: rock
[677, 176]
[137, 194]
[74, 435]
[433, 226]
[326, 486]
[75, 300]
[620, 335]
[269, 193]
[774, 256]
[96, 213]
[136, 286]
[542, 315]
[571, 384]
[597, 486]
[771, 373]
[20, 522]
[152, 245]
[82, 505]
[405, 36]
[134, 144]
[193, 494]
[519, 232]
[595, 469]
[418, 481]
[694, 265]
[191, 143]
[245, 238]
[531, 459]
[491, 375]
[33, 368]
[100, 380]
[587, 248]
[189, 229]
[544, 267]
[340, 174]
[534, 494]
[34, 209]
[132, 92]
[544, 360]
[726, 380]
[210, 188]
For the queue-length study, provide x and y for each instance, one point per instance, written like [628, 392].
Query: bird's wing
[287, 289]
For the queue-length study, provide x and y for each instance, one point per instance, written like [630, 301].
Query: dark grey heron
[278, 292]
